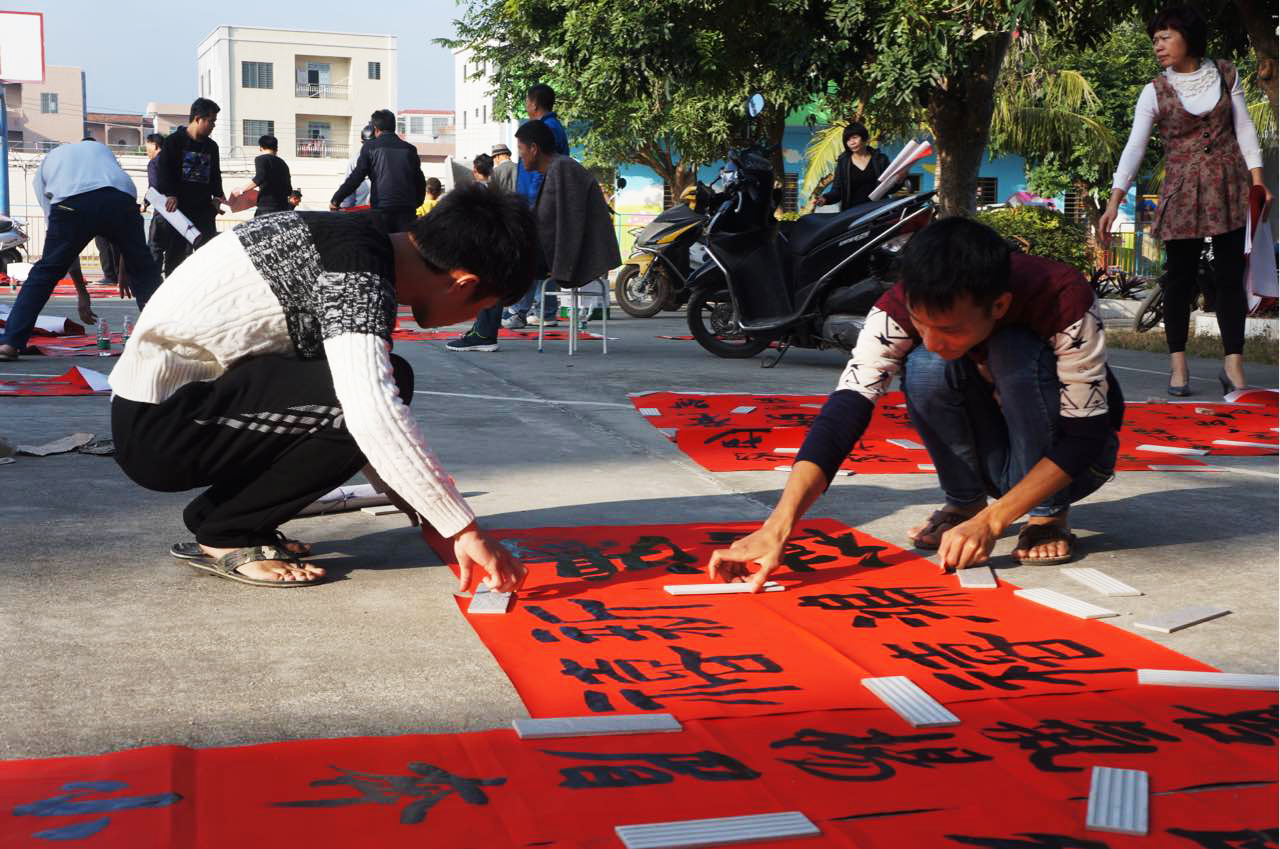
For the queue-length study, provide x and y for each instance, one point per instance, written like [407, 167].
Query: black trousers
[396, 220]
[178, 248]
[267, 438]
[1183, 257]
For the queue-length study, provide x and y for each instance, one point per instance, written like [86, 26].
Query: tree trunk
[960, 116]
[1092, 212]
[678, 174]
[1259, 20]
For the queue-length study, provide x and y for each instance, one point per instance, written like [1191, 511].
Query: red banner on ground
[742, 432]
[594, 631]
[75, 381]
[553, 335]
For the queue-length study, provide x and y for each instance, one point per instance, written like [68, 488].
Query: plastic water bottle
[126, 331]
[104, 338]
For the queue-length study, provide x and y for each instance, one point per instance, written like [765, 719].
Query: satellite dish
[755, 105]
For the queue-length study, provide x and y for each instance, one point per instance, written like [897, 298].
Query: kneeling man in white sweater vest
[262, 371]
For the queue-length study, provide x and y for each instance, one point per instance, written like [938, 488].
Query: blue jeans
[522, 306]
[983, 448]
[74, 223]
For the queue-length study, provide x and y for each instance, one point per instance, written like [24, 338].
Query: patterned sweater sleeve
[386, 432]
[882, 347]
[1084, 422]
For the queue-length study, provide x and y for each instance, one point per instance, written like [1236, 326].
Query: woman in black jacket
[858, 170]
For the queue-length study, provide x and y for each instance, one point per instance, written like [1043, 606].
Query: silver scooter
[12, 238]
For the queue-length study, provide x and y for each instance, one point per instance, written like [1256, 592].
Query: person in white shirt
[263, 371]
[85, 193]
[1211, 156]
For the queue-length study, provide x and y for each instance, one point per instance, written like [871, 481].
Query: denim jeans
[983, 448]
[522, 306]
[73, 223]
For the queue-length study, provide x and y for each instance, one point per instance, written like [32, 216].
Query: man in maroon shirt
[1004, 366]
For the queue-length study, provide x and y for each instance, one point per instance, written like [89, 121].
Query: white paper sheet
[180, 222]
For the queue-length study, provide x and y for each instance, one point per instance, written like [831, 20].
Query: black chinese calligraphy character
[1056, 738]
[966, 666]
[1263, 838]
[690, 404]
[871, 757]
[738, 437]
[572, 559]
[643, 770]
[1029, 840]
[428, 785]
[803, 554]
[717, 679]
[911, 606]
[75, 801]
[653, 552]
[1257, 727]
[633, 624]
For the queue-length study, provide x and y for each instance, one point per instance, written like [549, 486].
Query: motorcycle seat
[810, 230]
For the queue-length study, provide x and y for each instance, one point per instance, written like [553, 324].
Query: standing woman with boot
[1211, 154]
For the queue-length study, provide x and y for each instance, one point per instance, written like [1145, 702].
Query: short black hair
[537, 133]
[434, 187]
[203, 107]
[1188, 22]
[855, 129]
[543, 95]
[383, 120]
[953, 257]
[483, 164]
[156, 139]
[269, 142]
[490, 234]
[296, 193]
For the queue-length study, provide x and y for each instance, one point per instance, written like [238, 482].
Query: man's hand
[968, 543]
[171, 204]
[764, 547]
[503, 573]
[84, 308]
[1105, 223]
[333, 207]
[217, 204]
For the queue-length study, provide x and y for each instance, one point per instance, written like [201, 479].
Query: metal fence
[337, 91]
[1136, 253]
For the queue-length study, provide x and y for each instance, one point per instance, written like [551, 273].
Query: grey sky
[134, 52]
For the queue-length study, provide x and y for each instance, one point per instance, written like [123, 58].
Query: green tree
[655, 84]
[941, 59]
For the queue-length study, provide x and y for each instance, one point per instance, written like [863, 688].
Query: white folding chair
[603, 283]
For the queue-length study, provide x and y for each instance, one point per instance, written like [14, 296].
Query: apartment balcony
[323, 91]
[322, 149]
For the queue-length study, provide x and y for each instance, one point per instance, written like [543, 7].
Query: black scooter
[654, 277]
[808, 283]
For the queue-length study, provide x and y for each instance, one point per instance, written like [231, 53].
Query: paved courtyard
[107, 643]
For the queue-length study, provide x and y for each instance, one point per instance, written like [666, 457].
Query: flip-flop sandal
[226, 565]
[939, 523]
[1035, 535]
[193, 551]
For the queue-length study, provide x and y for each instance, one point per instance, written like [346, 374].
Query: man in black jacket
[189, 176]
[396, 183]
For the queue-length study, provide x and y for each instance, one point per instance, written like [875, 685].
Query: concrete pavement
[106, 643]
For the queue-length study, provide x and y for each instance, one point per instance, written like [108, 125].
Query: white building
[313, 91]
[475, 129]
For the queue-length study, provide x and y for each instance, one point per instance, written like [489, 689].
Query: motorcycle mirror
[622, 183]
[755, 105]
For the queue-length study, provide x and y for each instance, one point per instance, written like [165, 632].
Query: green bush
[1049, 233]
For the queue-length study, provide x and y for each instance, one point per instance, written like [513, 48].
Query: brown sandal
[930, 536]
[1034, 535]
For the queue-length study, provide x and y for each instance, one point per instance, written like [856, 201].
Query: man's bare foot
[933, 538]
[270, 570]
[1047, 550]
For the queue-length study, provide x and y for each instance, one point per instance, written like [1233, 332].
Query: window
[400, 127]
[485, 119]
[416, 125]
[375, 70]
[254, 129]
[987, 190]
[49, 102]
[464, 120]
[1074, 206]
[255, 74]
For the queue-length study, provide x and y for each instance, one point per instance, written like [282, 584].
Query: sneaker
[472, 342]
[545, 322]
[515, 322]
